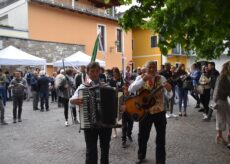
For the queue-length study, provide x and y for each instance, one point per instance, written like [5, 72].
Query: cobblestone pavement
[42, 138]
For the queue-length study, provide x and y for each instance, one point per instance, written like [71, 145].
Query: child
[127, 122]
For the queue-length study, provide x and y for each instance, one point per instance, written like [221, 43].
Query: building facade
[145, 48]
[72, 22]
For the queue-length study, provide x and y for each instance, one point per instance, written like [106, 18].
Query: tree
[202, 26]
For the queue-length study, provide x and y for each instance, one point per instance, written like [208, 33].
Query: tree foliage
[202, 26]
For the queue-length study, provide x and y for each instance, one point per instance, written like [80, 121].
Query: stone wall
[51, 51]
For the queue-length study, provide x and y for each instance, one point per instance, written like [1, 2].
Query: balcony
[87, 9]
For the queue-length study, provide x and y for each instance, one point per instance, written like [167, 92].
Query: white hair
[42, 73]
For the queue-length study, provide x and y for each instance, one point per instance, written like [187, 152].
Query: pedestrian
[2, 111]
[156, 114]
[195, 76]
[220, 96]
[117, 82]
[35, 89]
[66, 91]
[52, 88]
[18, 85]
[43, 88]
[204, 81]
[127, 121]
[181, 76]
[92, 134]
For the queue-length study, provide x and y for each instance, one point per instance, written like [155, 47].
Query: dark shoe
[14, 121]
[197, 106]
[42, 110]
[4, 123]
[19, 120]
[47, 110]
[124, 144]
[228, 146]
[139, 161]
[207, 119]
[130, 138]
[185, 114]
[201, 110]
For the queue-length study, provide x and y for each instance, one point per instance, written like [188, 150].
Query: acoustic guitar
[137, 106]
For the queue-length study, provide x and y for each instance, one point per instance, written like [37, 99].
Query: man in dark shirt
[43, 87]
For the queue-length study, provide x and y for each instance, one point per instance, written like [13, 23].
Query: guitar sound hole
[144, 100]
[138, 106]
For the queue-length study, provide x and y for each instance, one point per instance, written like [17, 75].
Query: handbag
[187, 84]
[199, 89]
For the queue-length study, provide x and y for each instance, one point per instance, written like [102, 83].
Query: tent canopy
[13, 56]
[77, 59]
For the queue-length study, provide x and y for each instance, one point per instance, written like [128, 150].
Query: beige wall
[57, 25]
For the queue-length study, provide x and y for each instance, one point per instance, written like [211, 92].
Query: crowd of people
[207, 86]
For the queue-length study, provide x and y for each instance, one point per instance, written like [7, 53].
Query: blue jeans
[44, 99]
[183, 97]
[3, 93]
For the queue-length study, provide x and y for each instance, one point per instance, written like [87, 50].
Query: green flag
[94, 54]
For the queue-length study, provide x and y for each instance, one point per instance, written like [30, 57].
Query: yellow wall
[178, 59]
[142, 43]
[140, 62]
[58, 25]
[142, 51]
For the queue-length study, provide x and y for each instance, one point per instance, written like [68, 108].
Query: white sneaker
[174, 115]
[66, 123]
[205, 116]
[168, 115]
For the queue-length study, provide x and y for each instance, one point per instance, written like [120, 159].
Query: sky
[123, 8]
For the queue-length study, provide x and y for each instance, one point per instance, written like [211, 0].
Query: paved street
[42, 138]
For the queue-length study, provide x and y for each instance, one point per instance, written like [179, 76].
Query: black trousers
[2, 110]
[127, 126]
[205, 98]
[65, 103]
[196, 96]
[145, 126]
[53, 95]
[91, 137]
[17, 104]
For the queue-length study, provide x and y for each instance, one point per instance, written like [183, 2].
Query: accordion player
[99, 107]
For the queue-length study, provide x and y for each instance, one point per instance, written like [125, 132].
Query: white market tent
[13, 56]
[77, 59]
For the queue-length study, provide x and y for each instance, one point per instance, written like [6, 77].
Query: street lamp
[117, 43]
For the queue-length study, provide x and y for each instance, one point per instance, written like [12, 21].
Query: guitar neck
[152, 93]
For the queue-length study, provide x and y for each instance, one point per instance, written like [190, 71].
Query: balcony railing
[83, 8]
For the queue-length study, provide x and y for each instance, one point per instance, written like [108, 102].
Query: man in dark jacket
[18, 85]
[35, 89]
[43, 87]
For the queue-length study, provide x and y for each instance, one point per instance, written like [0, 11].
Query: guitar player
[156, 114]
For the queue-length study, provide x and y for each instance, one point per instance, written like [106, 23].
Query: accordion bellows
[99, 107]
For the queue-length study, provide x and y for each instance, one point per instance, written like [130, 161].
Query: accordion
[99, 107]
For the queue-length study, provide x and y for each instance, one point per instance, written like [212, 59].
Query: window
[132, 44]
[101, 30]
[176, 50]
[119, 39]
[153, 41]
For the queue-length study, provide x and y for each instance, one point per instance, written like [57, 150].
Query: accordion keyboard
[84, 111]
